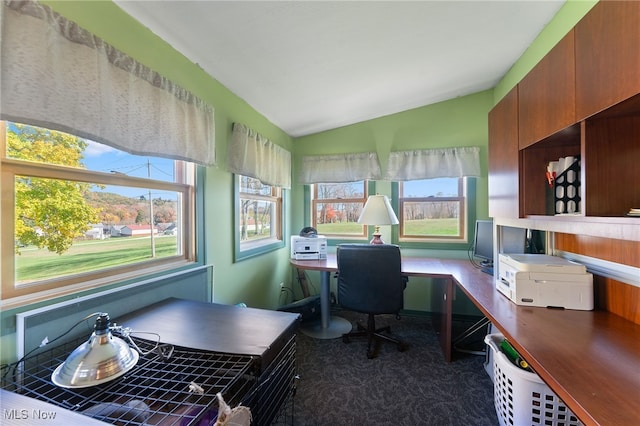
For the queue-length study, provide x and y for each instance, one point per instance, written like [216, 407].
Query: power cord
[286, 291]
[125, 332]
[44, 343]
[471, 259]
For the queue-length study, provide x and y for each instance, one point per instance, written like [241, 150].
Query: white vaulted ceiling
[310, 66]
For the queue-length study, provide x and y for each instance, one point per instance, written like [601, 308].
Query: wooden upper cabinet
[547, 94]
[503, 157]
[612, 155]
[607, 56]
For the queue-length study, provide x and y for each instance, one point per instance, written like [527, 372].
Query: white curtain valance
[339, 168]
[433, 163]
[57, 75]
[251, 154]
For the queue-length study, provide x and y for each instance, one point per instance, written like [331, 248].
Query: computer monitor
[483, 242]
[514, 240]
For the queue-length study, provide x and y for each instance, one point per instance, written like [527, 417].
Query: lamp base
[376, 239]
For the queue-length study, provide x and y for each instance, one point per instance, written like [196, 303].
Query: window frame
[268, 244]
[55, 287]
[311, 194]
[468, 185]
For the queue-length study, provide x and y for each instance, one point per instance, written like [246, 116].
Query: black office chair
[370, 281]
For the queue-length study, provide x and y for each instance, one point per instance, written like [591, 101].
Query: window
[433, 210]
[259, 220]
[336, 208]
[77, 214]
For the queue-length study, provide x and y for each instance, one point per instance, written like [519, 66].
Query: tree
[263, 216]
[140, 217]
[50, 213]
[252, 214]
[164, 211]
[244, 218]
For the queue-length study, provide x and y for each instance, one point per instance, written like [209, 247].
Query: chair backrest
[370, 278]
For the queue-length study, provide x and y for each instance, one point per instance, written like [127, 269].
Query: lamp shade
[378, 211]
[102, 358]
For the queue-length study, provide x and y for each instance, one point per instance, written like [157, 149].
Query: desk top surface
[591, 359]
[411, 266]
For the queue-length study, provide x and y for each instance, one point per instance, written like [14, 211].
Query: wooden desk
[446, 270]
[590, 359]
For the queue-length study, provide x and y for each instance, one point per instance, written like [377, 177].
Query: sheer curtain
[339, 168]
[251, 154]
[57, 75]
[433, 163]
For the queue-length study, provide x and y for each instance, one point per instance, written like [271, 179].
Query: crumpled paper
[239, 416]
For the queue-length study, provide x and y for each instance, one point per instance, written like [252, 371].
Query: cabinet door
[612, 155]
[503, 157]
[546, 96]
[607, 56]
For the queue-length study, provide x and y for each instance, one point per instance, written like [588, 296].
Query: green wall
[460, 121]
[457, 122]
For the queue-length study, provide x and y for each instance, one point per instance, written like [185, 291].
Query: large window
[258, 217]
[78, 214]
[336, 207]
[433, 210]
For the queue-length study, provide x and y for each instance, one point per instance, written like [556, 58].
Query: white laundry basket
[521, 398]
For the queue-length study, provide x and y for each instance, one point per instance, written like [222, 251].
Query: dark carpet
[339, 385]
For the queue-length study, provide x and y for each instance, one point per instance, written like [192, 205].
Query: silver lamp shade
[102, 358]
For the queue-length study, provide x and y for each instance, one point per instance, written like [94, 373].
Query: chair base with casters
[374, 334]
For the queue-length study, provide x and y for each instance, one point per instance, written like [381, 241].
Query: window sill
[98, 284]
[258, 247]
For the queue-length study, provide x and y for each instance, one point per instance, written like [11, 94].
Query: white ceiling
[310, 66]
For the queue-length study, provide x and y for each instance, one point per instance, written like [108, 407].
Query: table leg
[442, 300]
[329, 327]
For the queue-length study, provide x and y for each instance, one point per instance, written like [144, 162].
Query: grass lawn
[84, 256]
[437, 227]
[340, 228]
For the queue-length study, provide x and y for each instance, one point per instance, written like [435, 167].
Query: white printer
[308, 248]
[546, 281]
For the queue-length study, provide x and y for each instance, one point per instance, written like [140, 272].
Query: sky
[105, 159]
[430, 187]
[102, 158]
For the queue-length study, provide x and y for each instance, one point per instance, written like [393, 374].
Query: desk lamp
[377, 211]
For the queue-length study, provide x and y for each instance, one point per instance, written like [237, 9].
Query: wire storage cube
[159, 385]
[271, 400]
[521, 397]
